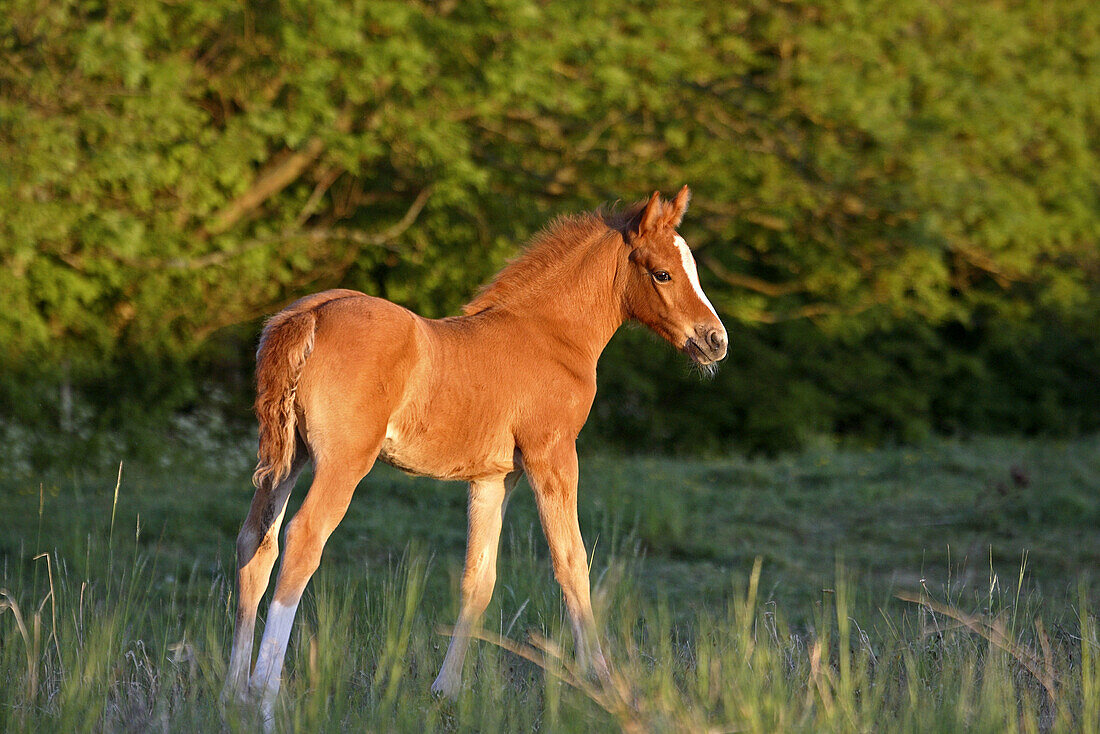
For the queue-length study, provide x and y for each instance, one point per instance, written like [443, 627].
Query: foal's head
[663, 290]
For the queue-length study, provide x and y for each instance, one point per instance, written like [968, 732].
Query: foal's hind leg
[257, 549]
[321, 511]
[488, 500]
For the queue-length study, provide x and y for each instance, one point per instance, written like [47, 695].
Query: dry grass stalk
[994, 632]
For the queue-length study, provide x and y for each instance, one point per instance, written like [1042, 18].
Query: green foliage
[790, 385]
[883, 171]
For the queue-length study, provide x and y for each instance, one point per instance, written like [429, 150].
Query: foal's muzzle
[707, 345]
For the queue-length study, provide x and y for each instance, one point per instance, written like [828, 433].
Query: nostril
[716, 339]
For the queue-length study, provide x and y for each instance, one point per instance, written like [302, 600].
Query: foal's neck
[584, 307]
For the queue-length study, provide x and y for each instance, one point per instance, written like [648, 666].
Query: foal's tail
[285, 344]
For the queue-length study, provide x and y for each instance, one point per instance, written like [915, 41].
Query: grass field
[733, 595]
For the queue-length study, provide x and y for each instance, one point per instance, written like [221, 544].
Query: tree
[172, 169]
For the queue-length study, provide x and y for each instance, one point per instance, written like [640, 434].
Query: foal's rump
[330, 367]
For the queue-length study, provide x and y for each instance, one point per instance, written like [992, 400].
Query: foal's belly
[457, 454]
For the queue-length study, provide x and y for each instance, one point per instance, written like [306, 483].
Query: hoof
[446, 688]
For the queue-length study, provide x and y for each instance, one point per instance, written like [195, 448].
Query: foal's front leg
[553, 476]
[488, 499]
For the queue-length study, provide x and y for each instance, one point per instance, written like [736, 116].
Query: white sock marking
[269, 663]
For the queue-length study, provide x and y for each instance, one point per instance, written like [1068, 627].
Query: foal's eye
[662, 276]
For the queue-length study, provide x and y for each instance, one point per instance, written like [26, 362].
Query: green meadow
[932, 588]
[895, 213]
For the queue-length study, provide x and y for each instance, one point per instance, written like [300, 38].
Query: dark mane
[554, 246]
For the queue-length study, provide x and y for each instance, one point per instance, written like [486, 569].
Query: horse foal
[345, 379]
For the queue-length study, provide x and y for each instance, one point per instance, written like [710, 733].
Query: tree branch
[740, 280]
[1002, 276]
[273, 180]
[809, 311]
[327, 179]
[318, 234]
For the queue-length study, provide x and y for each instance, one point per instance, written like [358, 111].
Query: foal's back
[445, 398]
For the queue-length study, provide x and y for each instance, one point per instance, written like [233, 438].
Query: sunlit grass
[117, 598]
[94, 654]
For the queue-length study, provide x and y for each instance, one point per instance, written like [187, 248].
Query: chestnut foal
[344, 379]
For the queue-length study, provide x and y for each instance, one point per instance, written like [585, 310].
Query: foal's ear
[679, 206]
[651, 214]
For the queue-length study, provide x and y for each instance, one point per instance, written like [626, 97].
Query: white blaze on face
[693, 274]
